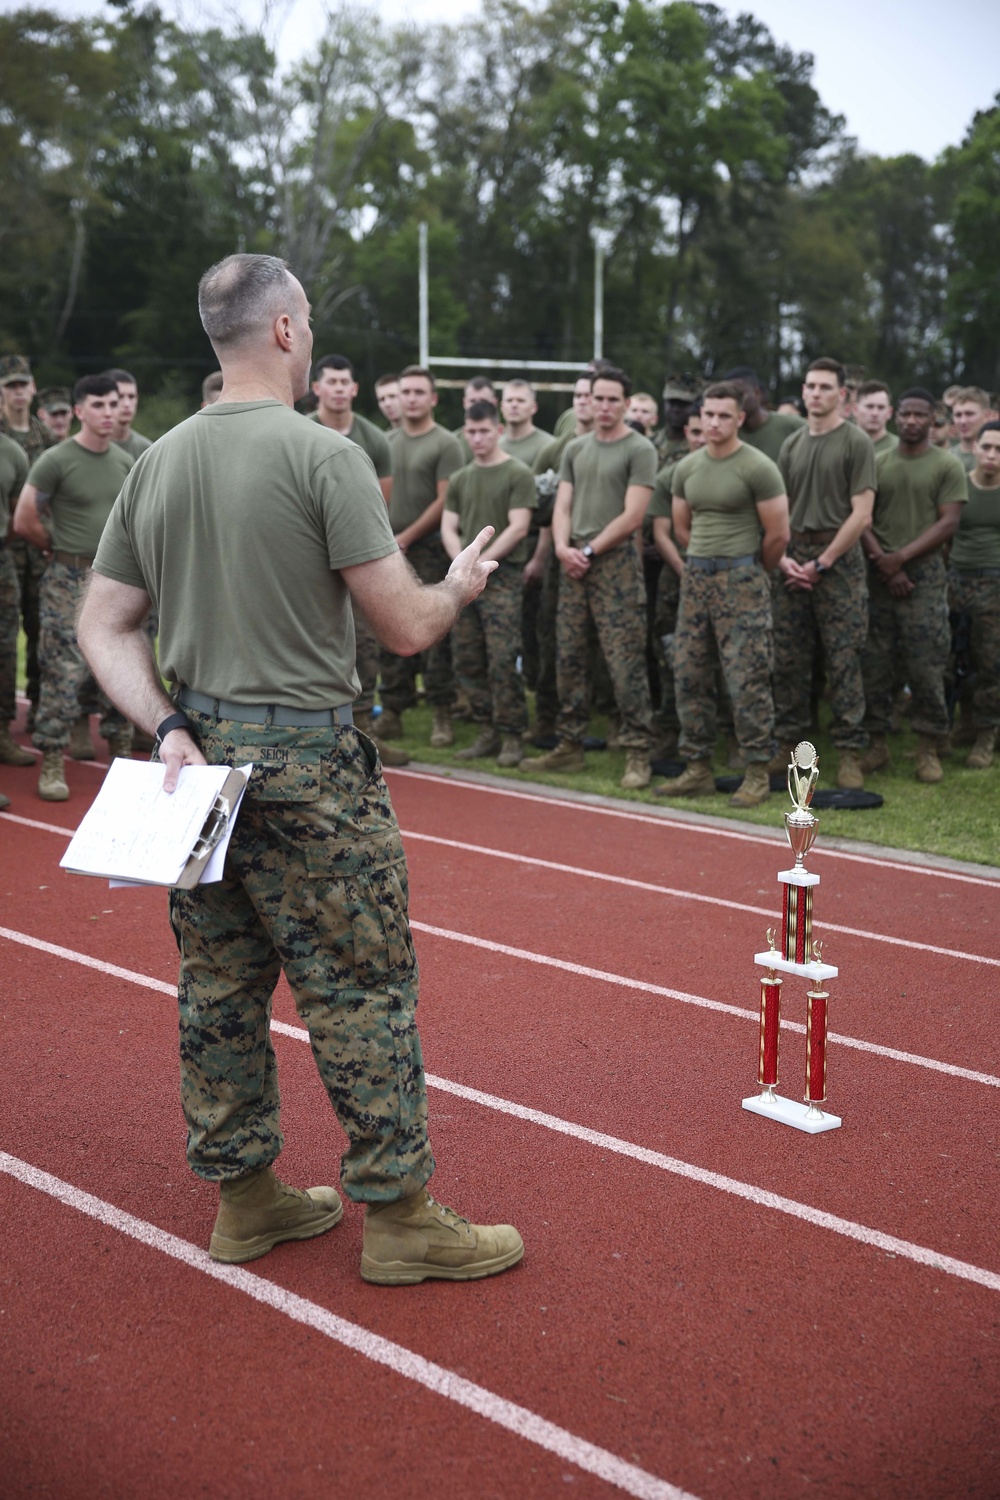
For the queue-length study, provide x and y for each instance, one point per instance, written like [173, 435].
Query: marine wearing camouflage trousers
[486, 642]
[10, 606]
[835, 611]
[908, 637]
[666, 723]
[979, 598]
[613, 594]
[30, 564]
[315, 885]
[729, 613]
[430, 562]
[366, 662]
[62, 668]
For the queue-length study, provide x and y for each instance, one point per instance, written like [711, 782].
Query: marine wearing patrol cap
[686, 387]
[54, 399]
[14, 369]
[680, 392]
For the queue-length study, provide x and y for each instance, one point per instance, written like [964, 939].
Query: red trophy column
[816, 1026]
[770, 1030]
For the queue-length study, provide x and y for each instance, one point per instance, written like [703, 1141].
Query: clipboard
[134, 833]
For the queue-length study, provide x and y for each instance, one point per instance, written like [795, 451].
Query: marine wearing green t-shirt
[528, 448]
[134, 444]
[368, 437]
[463, 443]
[13, 473]
[770, 437]
[910, 493]
[80, 488]
[600, 473]
[565, 423]
[723, 494]
[205, 491]
[976, 543]
[484, 494]
[822, 473]
[418, 466]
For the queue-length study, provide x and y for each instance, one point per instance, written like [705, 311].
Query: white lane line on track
[9, 817]
[666, 890]
[642, 987]
[762, 1197]
[441, 1381]
[624, 880]
[913, 1059]
[666, 822]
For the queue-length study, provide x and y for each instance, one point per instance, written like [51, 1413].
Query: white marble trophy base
[789, 1112]
[814, 971]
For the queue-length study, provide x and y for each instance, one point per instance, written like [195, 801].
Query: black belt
[976, 572]
[266, 713]
[813, 538]
[719, 564]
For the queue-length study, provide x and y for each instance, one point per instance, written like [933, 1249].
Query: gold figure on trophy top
[817, 953]
[801, 826]
[770, 941]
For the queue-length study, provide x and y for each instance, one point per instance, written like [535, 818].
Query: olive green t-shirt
[134, 444]
[910, 492]
[822, 473]
[968, 460]
[368, 437]
[886, 443]
[463, 443]
[484, 495]
[418, 466]
[13, 473]
[769, 438]
[600, 473]
[723, 494]
[976, 543]
[237, 523]
[565, 423]
[527, 448]
[81, 487]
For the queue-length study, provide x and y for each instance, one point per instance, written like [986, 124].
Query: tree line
[742, 223]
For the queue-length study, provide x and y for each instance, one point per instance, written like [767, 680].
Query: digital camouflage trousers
[10, 615]
[836, 613]
[486, 643]
[908, 639]
[429, 561]
[613, 595]
[315, 885]
[979, 599]
[724, 617]
[62, 668]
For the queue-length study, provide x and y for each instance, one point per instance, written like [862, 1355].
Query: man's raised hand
[468, 573]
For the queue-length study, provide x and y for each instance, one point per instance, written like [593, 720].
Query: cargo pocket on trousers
[383, 948]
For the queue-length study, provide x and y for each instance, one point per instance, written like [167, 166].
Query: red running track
[710, 1305]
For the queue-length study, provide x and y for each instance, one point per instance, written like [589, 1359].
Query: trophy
[798, 955]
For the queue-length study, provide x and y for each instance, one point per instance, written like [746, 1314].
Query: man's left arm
[112, 637]
[517, 528]
[637, 498]
[773, 517]
[850, 532]
[32, 506]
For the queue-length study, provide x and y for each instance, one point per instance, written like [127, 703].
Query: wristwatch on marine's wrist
[821, 567]
[172, 721]
[587, 551]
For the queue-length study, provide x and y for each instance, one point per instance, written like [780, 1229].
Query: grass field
[959, 817]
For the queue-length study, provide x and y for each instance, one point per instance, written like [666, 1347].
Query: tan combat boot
[386, 753]
[52, 785]
[980, 757]
[390, 725]
[755, 787]
[81, 746]
[417, 1238]
[695, 781]
[11, 753]
[877, 755]
[849, 773]
[567, 756]
[259, 1211]
[735, 760]
[511, 751]
[442, 733]
[637, 771]
[928, 766]
[487, 742]
[120, 747]
[781, 757]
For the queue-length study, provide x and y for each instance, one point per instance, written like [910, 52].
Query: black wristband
[173, 721]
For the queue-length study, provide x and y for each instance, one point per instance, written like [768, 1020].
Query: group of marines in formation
[686, 566]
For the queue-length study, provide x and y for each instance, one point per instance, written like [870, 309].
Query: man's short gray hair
[239, 297]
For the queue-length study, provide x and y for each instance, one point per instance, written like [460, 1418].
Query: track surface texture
[711, 1305]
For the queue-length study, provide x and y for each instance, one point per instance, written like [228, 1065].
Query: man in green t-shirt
[17, 390]
[829, 472]
[128, 404]
[541, 571]
[13, 473]
[970, 410]
[680, 393]
[424, 457]
[499, 491]
[252, 531]
[64, 506]
[730, 514]
[479, 388]
[762, 429]
[974, 592]
[605, 483]
[659, 518]
[520, 437]
[921, 493]
[55, 409]
[872, 412]
[335, 386]
[387, 396]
